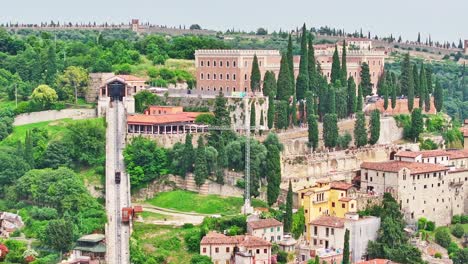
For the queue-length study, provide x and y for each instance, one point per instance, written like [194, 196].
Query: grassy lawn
[7, 104]
[163, 240]
[186, 201]
[55, 128]
[154, 216]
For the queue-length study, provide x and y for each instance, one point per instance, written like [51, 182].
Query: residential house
[9, 222]
[268, 229]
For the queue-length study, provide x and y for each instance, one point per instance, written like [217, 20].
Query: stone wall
[51, 115]
[167, 140]
[389, 131]
[172, 182]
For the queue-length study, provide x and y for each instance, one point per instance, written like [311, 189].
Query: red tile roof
[396, 166]
[247, 241]
[377, 261]
[340, 185]
[162, 119]
[425, 154]
[457, 154]
[264, 223]
[131, 78]
[408, 154]
[330, 221]
[345, 199]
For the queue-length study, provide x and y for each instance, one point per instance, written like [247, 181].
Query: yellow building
[327, 198]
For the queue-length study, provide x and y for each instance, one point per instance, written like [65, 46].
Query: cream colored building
[423, 189]
[243, 249]
[268, 229]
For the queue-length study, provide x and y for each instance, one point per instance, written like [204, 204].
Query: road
[117, 195]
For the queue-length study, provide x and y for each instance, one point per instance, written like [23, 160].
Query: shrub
[452, 248]
[430, 226]
[442, 237]
[43, 213]
[464, 219]
[282, 257]
[438, 255]
[422, 223]
[458, 231]
[187, 226]
[456, 219]
[199, 259]
[192, 240]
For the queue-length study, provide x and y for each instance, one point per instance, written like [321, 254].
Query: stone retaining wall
[51, 115]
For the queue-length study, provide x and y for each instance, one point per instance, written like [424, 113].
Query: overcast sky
[444, 20]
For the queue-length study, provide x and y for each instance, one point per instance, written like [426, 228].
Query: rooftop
[396, 166]
[330, 221]
[131, 78]
[457, 154]
[341, 185]
[264, 223]
[92, 238]
[425, 153]
[377, 261]
[247, 241]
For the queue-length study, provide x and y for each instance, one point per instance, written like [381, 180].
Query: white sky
[444, 20]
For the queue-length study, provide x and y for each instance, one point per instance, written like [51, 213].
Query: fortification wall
[35, 117]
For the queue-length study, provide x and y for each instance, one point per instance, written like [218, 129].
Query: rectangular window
[258, 251]
[228, 249]
[204, 249]
[332, 231]
[315, 230]
[216, 250]
[265, 250]
[327, 231]
[333, 204]
[343, 205]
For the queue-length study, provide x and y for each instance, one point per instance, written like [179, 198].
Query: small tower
[135, 25]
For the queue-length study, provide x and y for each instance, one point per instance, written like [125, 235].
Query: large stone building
[229, 70]
[241, 249]
[429, 184]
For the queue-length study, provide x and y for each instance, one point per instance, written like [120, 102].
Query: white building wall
[361, 232]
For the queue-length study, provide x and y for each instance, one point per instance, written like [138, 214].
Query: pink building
[229, 70]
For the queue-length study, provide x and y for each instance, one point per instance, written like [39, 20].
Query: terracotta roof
[264, 223]
[330, 221]
[396, 166]
[345, 199]
[214, 238]
[377, 261]
[340, 185]
[131, 78]
[408, 154]
[457, 154]
[425, 154]
[162, 119]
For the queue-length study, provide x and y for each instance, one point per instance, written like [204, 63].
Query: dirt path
[175, 218]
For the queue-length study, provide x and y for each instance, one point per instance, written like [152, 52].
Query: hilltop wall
[35, 117]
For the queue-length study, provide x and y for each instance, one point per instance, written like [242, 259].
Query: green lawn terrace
[186, 201]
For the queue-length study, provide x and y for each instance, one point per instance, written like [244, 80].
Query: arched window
[233, 89]
[234, 77]
[245, 76]
[201, 76]
[201, 88]
[208, 76]
[220, 63]
[201, 63]
[220, 76]
[227, 63]
[208, 63]
[234, 64]
[245, 89]
[214, 63]
[214, 76]
[221, 88]
[227, 76]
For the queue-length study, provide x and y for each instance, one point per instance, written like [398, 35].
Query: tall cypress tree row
[253, 116]
[344, 68]
[290, 58]
[313, 131]
[287, 219]
[360, 131]
[416, 84]
[284, 89]
[313, 82]
[366, 79]
[201, 166]
[346, 248]
[422, 86]
[331, 100]
[359, 99]
[351, 96]
[394, 92]
[302, 84]
[336, 69]
[330, 130]
[282, 120]
[438, 96]
[374, 126]
[255, 75]
[271, 111]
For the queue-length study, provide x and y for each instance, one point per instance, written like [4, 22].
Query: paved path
[176, 218]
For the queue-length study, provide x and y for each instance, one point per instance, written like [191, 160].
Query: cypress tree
[416, 84]
[336, 69]
[366, 79]
[351, 96]
[346, 248]
[302, 84]
[28, 149]
[410, 90]
[282, 120]
[359, 99]
[341, 102]
[271, 111]
[331, 100]
[312, 69]
[273, 167]
[255, 75]
[313, 131]
[344, 69]
[284, 88]
[291, 64]
[288, 214]
[309, 109]
[269, 84]
[374, 127]
[262, 118]
[360, 131]
[330, 130]
[394, 91]
[189, 154]
[201, 166]
[430, 89]
[438, 96]
[417, 124]
[405, 75]
[253, 116]
[423, 87]
[293, 112]
[385, 88]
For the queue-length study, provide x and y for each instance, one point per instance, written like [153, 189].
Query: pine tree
[312, 69]
[417, 124]
[291, 64]
[287, 219]
[28, 149]
[255, 75]
[302, 84]
[313, 131]
[344, 68]
[330, 130]
[366, 79]
[273, 167]
[360, 131]
[271, 111]
[189, 155]
[253, 116]
[374, 127]
[359, 100]
[284, 81]
[336, 69]
[351, 96]
[346, 254]
[201, 166]
[438, 96]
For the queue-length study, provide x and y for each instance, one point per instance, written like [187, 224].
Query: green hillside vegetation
[186, 201]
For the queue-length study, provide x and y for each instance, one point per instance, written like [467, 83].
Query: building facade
[268, 229]
[422, 187]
